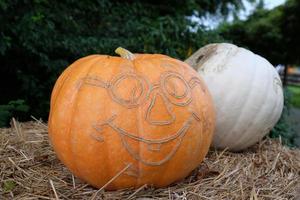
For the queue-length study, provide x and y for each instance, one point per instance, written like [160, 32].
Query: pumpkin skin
[151, 116]
[246, 90]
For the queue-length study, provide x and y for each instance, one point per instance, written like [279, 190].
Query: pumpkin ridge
[74, 108]
[111, 171]
[249, 142]
[252, 82]
[65, 80]
[223, 141]
[236, 143]
[263, 104]
[140, 128]
[265, 101]
[54, 107]
[54, 97]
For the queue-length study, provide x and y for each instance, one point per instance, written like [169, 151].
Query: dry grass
[29, 169]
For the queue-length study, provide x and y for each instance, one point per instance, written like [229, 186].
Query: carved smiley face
[152, 134]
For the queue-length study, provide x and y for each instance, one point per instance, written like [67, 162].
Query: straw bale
[29, 169]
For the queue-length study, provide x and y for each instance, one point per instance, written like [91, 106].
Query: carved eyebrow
[98, 82]
[95, 81]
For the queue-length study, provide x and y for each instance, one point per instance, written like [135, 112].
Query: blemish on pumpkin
[277, 84]
[201, 56]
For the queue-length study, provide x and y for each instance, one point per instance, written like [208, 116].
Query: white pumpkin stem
[124, 53]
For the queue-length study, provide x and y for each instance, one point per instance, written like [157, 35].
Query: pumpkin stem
[124, 53]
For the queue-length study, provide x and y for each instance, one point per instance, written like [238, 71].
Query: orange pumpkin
[148, 119]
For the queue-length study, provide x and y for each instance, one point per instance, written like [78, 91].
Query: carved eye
[129, 89]
[175, 88]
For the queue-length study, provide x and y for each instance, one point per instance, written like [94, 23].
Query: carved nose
[159, 111]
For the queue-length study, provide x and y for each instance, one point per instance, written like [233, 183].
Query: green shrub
[13, 108]
[283, 128]
[39, 39]
[295, 99]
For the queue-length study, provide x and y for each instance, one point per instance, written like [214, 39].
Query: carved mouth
[153, 145]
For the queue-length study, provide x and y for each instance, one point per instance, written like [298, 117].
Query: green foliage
[13, 108]
[39, 38]
[8, 185]
[274, 34]
[295, 97]
[290, 27]
[260, 30]
[283, 128]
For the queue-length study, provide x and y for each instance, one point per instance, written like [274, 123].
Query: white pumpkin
[246, 90]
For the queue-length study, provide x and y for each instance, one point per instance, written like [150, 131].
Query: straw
[29, 169]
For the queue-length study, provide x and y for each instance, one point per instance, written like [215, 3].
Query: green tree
[290, 27]
[274, 34]
[39, 38]
[261, 33]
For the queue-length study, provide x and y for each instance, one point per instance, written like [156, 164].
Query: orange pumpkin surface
[148, 116]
